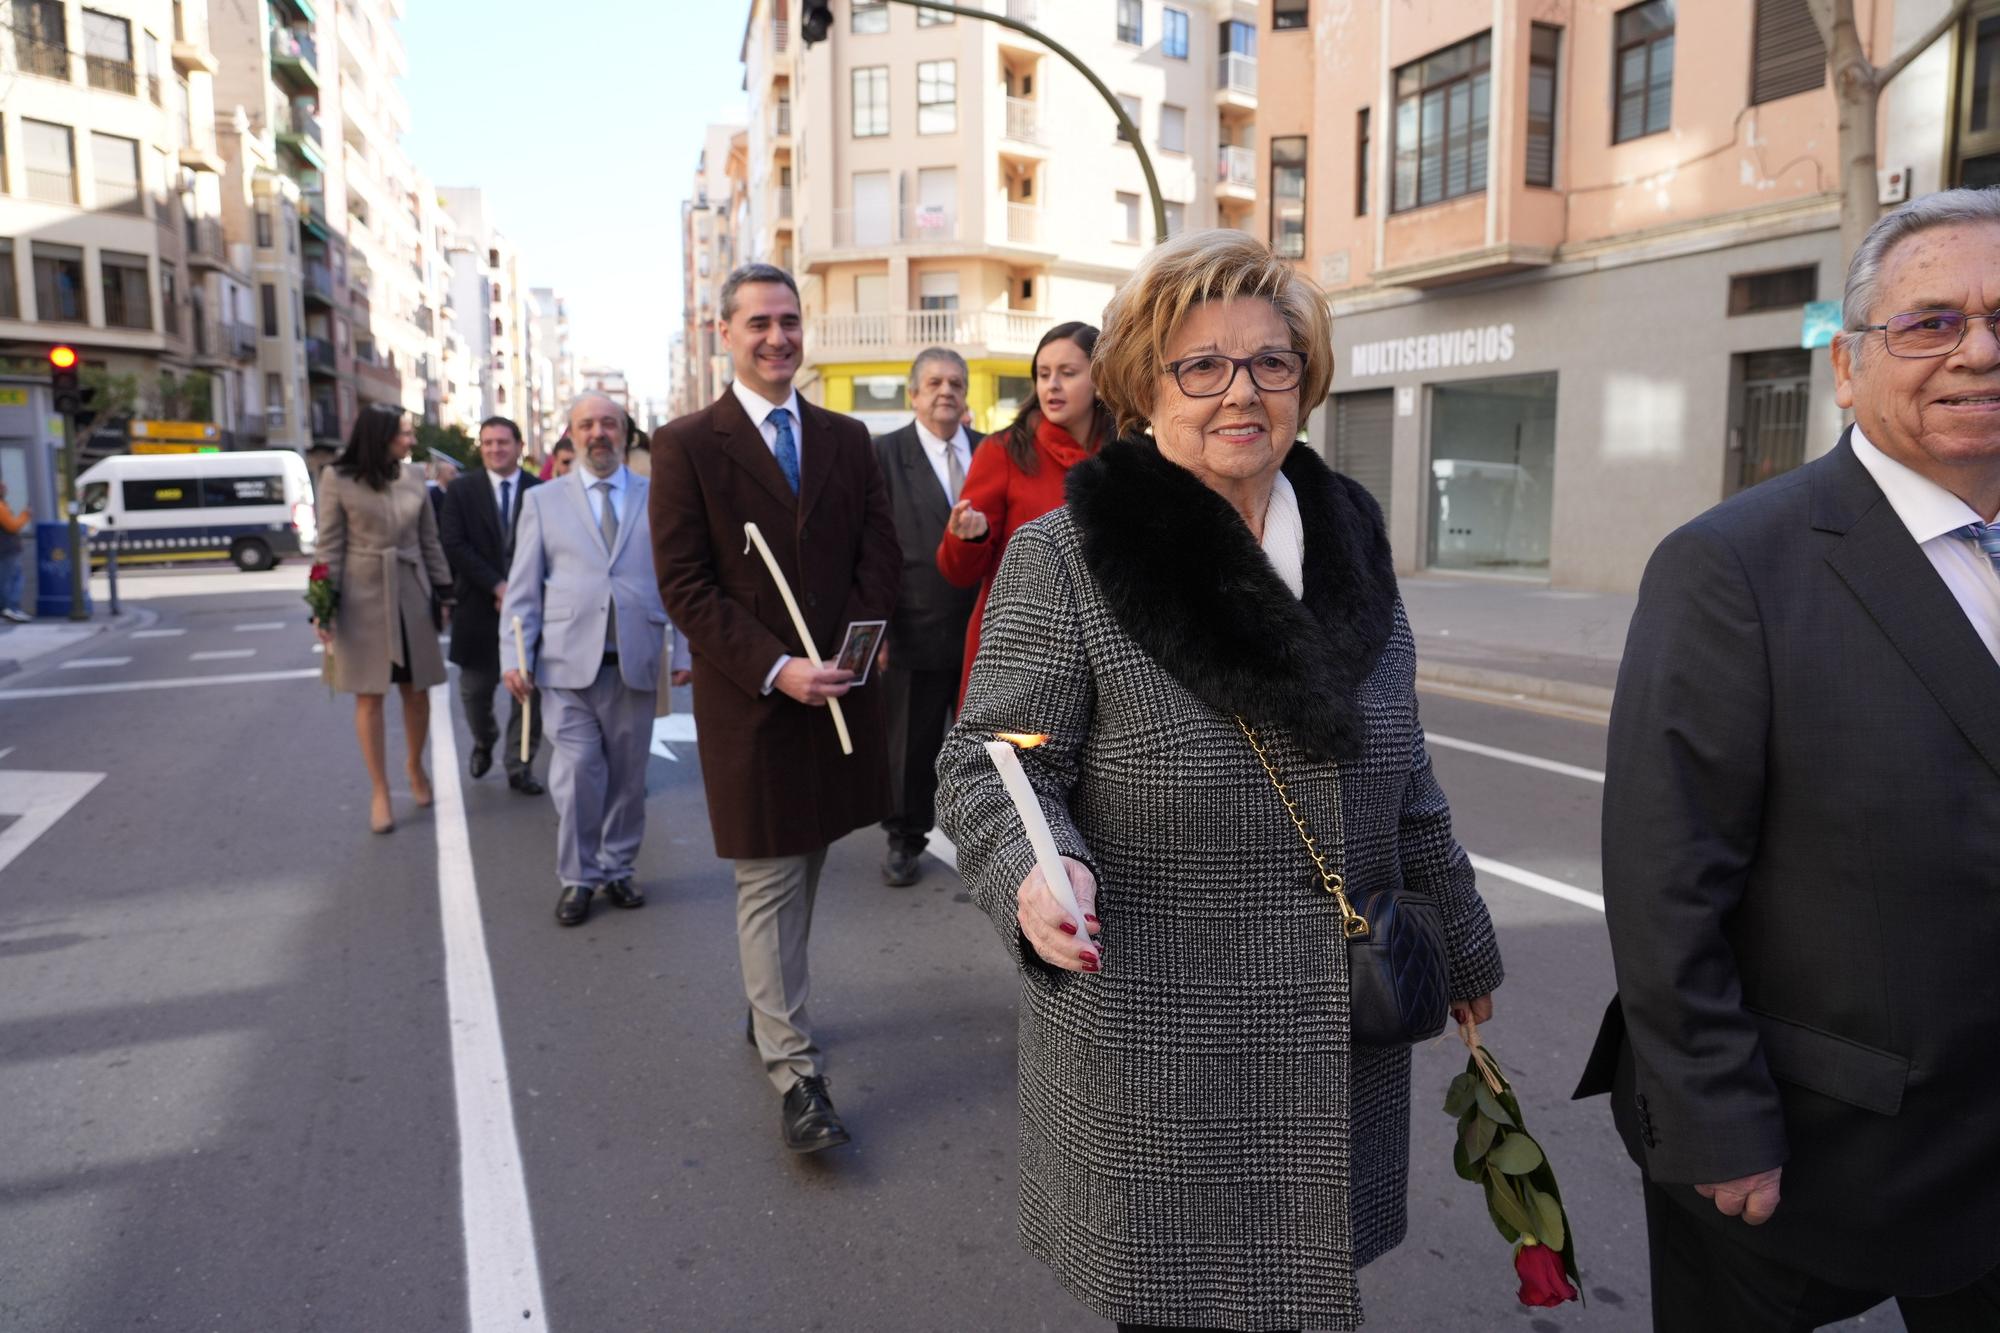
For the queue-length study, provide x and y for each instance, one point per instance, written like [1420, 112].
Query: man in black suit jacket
[1802, 839]
[924, 465]
[476, 527]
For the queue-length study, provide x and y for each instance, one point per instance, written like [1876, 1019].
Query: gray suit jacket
[563, 584]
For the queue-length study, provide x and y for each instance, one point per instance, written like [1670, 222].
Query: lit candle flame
[1021, 740]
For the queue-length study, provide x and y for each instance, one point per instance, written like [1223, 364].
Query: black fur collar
[1186, 581]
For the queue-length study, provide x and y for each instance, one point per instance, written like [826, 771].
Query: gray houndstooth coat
[1200, 1145]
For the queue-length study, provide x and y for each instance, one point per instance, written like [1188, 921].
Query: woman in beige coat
[378, 538]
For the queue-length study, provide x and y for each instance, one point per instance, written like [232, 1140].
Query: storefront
[1555, 425]
[879, 392]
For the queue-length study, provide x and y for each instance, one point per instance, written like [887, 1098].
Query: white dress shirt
[621, 491]
[760, 409]
[1932, 514]
[935, 453]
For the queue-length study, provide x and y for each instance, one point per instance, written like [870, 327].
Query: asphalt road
[227, 1025]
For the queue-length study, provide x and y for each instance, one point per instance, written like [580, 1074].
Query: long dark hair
[1020, 437]
[368, 457]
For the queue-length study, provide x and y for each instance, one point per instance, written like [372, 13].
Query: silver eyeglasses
[1921, 333]
[1210, 374]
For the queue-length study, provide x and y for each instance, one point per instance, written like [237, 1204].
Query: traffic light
[815, 20]
[62, 379]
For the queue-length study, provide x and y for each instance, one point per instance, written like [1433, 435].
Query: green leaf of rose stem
[1501, 1198]
[1467, 1168]
[1477, 1136]
[1490, 1107]
[1458, 1098]
[1516, 1154]
[1547, 1213]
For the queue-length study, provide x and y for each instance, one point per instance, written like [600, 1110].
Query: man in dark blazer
[1802, 839]
[924, 466]
[476, 527]
[779, 789]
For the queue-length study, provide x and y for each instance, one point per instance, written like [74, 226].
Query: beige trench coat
[382, 548]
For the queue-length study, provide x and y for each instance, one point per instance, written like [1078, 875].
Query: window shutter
[1789, 56]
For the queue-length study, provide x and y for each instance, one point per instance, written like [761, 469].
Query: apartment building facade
[713, 216]
[938, 180]
[1571, 250]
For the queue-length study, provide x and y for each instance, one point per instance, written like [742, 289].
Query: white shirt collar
[760, 407]
[494, 478]
[590, 480]
[1285, 535]
[932, 444]
[1927, 509]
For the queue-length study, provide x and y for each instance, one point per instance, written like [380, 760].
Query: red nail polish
[1089, 919]
[1066, 927]
[1090, 959]
[1090, 965]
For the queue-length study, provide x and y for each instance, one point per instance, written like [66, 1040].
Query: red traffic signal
[62, 357]
[63, 386]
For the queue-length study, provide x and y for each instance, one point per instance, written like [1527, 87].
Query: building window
[107, 53]
[934, 18]
[274, 399]
[41, 38]
[128, 293]
[268, 297]
[1492, 474]
[153, 70]
[10, 296]
[1644, 68]
[58, 282]
[1787, 53]
[1977, 152]
[1132, 22]
[1173, 129]
[1176, 217]
[51, 155]
[1288, 196]
[1288, 14]
[871, 101]
[263, 229]
[170, 309]
[1174, 34]
[1130, 106]
[1440, 127]
[1544, 46]
[1778, 289]
[1128, 214]
[116, 164]
[869, 16]
[937, 96]
[1773, 399]
[1363, 146]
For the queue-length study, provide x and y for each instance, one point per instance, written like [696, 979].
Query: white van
[254, 507]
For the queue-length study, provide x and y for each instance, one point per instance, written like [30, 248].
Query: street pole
[1126, 129]
[77, 568]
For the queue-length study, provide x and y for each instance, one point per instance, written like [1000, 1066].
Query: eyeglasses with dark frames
[1917, 334]
[1211, 374]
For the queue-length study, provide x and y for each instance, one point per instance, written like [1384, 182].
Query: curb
[128, 619]
[1575, 694]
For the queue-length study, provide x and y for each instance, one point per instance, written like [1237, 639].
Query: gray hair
[1946, 208]
[586, 396]
[930, 354]
[749, 273]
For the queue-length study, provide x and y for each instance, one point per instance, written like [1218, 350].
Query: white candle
[1029, 807]
[527, 704]
[756, 539]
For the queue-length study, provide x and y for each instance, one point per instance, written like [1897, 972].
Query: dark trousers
[919, 706]
[1704, 1282]
[475, 696]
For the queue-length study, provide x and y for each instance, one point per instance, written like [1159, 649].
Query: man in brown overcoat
[779, 789]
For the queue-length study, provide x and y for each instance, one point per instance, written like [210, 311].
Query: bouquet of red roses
[1495, 1151]
[323, 599]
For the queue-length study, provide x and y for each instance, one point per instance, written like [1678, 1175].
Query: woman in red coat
[1022, 479]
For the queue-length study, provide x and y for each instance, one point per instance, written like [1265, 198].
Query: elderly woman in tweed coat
[1201, 1144]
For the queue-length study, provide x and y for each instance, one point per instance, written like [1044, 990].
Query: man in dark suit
[1802, 838]
[779, 789]
[924, 467]
[476, 527]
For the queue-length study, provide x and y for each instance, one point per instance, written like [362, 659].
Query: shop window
[1492, 474]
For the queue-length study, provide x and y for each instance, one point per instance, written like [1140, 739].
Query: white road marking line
[260, 626]
[158, 633]
[1514, 757]
[39, 800]
[1528, 879]
[4, 753]
[672, 727]
[168, 683]
[221, 654]
[92, 663]
[503, 1277]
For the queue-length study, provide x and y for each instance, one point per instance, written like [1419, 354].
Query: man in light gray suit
[582, 587]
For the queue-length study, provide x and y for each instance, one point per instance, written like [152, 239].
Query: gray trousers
[774, 908]
[475, 697]
[599, 740]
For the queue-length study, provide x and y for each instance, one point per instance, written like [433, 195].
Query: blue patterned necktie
[787, 448]
[1987, 535]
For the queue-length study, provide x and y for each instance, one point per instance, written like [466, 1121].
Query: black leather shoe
[620, 893]
[525, 784]
[482, 761]
[901, 868]
[810, 1122]
[573, 908]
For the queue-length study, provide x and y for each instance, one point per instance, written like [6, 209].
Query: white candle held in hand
[527, 704]
[753, 537]
[1029, 807]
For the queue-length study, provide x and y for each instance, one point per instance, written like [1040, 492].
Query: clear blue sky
[582, 122]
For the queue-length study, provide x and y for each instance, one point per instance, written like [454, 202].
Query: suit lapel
[635, 505]
[1895, 581]
[918, 478]
[579, 500]
[744, 445]
[816, 456]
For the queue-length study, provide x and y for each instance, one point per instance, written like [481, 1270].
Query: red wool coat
[1009, 497]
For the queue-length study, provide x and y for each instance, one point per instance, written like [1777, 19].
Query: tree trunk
[1857, 96]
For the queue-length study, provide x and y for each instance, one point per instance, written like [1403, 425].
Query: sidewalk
[21, 645]
[1518, 638]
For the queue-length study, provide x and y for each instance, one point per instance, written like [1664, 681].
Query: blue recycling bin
[52, 570]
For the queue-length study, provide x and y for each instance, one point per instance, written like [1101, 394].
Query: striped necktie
[786, 448]
[1987, 536]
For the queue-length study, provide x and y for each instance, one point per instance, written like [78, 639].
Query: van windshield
[96, 495]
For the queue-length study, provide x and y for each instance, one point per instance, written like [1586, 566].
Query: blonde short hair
[1220, 264]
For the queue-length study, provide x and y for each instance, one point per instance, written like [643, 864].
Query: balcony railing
[205, 245]
[53, 187]
[1024, 224]
[1024, 121]
[120, 196]
[319, 355]
[781, 120]
[784, 201]
[319, 282]
[116, 76]
[306, 123]
[781, 34]
[291, 44]
[241, 340]
[48, 59]
[1237, 165]
[924, 224]
[894, 333]
[1239, 73]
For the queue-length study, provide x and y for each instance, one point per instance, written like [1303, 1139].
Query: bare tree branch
[1944, 25]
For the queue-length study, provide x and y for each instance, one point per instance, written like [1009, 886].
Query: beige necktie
[953, 471]
[607, 527]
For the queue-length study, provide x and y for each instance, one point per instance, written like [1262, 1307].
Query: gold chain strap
[1353, 925]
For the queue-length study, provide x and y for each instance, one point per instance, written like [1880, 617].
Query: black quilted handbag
[1395, 951]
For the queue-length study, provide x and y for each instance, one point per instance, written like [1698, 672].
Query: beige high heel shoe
[420, 788]
[381, 815]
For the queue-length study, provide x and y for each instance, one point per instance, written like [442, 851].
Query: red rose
[1543, 1281]
[319, 573]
